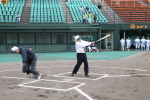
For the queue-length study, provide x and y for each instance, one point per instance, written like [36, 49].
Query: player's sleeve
[84, 44]
[24, 55]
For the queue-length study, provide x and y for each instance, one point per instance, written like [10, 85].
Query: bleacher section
[46, 11]
[8, 12]
[74, 6]
[130, 10]
[146, 1]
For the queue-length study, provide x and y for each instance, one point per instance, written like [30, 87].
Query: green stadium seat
[45, 10]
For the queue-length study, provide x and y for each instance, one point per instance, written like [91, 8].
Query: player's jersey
[122, 41]
[137, 40]
[147, 42]
[128, 41]
[143, 40]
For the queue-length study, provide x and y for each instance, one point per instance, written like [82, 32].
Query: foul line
[80, 91]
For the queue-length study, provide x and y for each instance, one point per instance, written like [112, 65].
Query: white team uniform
[122, 41]
[89, 48]
[147, 44]
[137, 44]
[128, 41]
[18, 17]
[143, 45]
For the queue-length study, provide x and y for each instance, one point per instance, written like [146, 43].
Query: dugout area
[132, 34]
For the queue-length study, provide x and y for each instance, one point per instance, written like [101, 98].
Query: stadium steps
[110, 20]
[119, 20]
[66, 12]
[26, 12]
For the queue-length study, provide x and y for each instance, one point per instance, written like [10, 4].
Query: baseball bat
[103, 38]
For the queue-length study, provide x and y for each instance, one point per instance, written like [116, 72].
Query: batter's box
[52, 84]
[93, 76]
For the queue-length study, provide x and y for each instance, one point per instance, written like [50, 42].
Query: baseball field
[114, 75]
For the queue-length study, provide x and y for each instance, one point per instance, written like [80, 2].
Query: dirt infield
[125, 79]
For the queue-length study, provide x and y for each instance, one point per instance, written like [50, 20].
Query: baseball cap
[76, 37]
[13, 49]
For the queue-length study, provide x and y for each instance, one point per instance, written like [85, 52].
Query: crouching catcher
[29, 60]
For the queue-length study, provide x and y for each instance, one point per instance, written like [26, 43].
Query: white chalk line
[128, 75]
[25, 85]
[78, 77]
[76, 87]
[80, 91]
[12, 77]
[9, 70]
[98, 67]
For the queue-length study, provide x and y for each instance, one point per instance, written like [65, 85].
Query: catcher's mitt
[25, 68]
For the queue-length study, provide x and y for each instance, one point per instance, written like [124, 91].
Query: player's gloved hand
[25, 68]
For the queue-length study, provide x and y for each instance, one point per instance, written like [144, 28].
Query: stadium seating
[146, 1]
[9, 11]
[131, 10]
[74, 6]
[46, 11]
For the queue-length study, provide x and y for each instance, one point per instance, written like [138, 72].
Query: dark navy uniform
[29, 60]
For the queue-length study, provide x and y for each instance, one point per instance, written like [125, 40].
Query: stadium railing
[131, 11]
[109, 11]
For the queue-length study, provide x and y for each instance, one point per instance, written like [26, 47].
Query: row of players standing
[140, 44]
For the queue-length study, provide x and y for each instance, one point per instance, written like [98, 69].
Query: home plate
[68, 80]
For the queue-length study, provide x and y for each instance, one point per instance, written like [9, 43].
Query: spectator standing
[90, 17]
[18, 17]
[87, 9]
[84, 17]
[109, 45]
[117, 3]
[99, 5]
[95, 18]
[67, 2]
[81, 9]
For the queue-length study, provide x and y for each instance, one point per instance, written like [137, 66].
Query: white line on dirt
[9, 70]
[43, 88]
[25, 85]
[128, 75]
[98, 67]
[134, 69]
[101, 77]
[80, 91]
[13, 77]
